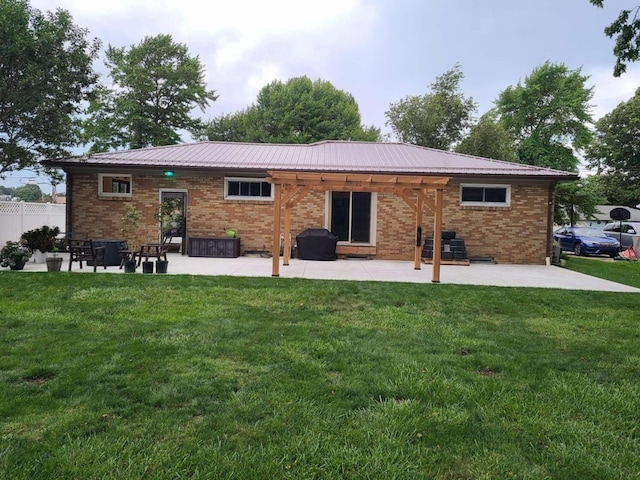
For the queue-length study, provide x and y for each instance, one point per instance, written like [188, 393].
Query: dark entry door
[173, 218]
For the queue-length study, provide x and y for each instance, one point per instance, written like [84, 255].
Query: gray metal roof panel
[322, 156]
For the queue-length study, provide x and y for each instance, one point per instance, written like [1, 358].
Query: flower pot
[129, 266]
[39, 257]
[161, 266]
[17, 265]
[54, 264]
[147, 267]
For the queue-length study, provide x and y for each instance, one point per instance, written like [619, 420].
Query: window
[247, 189]
[350, 216]
[114, 185]
[485, 195]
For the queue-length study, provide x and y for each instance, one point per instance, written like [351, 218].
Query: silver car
[625, 232]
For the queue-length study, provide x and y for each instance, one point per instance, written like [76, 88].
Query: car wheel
[613, 255]
[577, 249]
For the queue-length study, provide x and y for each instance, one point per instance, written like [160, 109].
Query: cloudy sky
[378, 50]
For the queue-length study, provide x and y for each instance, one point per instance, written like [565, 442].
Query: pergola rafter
[291, 187]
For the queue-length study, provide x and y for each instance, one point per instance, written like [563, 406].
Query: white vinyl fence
[18, 217]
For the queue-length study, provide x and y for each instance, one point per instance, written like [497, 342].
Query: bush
[43, 239]
[14, 253]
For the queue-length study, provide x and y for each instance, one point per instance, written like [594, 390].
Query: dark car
[586, 241]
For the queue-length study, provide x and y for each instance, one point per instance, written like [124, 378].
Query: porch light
[168, 173]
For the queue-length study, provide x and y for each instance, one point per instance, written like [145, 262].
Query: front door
[173, 216]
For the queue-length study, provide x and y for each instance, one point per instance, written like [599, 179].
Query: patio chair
[158, 250]
[164, 246]
[126, 253]
[81, 250]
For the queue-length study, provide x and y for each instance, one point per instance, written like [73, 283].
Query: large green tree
[488, 138]
[45, 75]
[615, 152]
[155, 86]
[437, 119]
[232, 127]
[548, 116]
[28, 193]
[626, 30]
[577, 200]
[297, 111]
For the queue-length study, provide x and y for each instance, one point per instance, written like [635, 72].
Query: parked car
[586, 241]
[624, 233]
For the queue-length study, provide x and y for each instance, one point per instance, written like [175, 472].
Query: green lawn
[173, 377]
[621, 271]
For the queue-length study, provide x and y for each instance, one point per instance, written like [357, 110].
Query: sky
[379, 51]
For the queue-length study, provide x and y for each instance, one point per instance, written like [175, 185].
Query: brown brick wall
[516, 234]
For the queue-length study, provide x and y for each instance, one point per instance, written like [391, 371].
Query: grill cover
[316, 244]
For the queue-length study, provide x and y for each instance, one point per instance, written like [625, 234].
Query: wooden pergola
[291, 187]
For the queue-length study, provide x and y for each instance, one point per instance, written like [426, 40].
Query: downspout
[550, 201]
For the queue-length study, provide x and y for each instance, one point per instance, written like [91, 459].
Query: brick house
[502, 210]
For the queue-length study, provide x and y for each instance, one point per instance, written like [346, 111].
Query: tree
[28, 193]
[626, 30]
[548, 116]
[155, 85]
[618, 189]
[7, 190]
[488, 138]
[576, 200]
[298, 111]
[226, 128]
[436, 119]
[45, 74]
[615, 152]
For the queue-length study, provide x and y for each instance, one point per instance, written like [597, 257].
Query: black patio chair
[81, 250]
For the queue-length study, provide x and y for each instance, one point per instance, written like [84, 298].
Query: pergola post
[286, 250]
[437, 236]
[418, 250]
[275, 249]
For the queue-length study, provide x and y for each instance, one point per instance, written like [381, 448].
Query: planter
[147, 267]
[39, 257]
[161, 266]
[129, 266]
[17, 266]
[54, 264]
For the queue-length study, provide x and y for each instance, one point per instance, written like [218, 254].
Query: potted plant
[14, 255]
[54, 262]
[40, 241]
[130, 224]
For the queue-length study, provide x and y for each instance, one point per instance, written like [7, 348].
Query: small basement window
[114, 185]
[485, 195]
[247, 189]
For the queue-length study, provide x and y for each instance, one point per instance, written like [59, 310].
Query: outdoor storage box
[221, 247]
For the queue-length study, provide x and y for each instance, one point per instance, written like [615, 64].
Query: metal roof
[325, 156]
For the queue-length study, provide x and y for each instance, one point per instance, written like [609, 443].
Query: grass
[131, 376]
[620, 271]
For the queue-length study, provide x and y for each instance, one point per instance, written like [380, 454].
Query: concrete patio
[538, 276]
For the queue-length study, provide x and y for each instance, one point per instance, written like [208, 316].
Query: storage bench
[221, 247]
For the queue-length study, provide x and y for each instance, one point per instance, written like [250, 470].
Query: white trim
[373, 223]
[102, 193]
[244, 197]
[506, 203]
